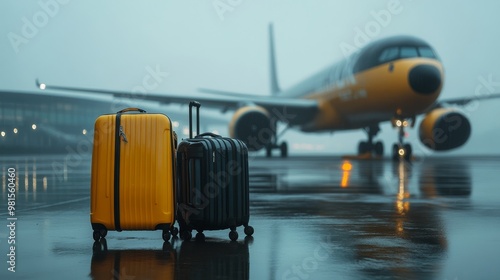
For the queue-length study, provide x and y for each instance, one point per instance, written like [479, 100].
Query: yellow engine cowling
[252, 125]
[444, 129]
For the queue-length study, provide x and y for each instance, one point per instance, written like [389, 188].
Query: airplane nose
[425, 79]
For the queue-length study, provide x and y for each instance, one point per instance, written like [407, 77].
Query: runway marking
[50, 205]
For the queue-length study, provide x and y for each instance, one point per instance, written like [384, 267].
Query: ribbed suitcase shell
[213, 188]
[145, 173]
[213, 180]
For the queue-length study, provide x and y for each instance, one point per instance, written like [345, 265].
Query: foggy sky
[224, 45]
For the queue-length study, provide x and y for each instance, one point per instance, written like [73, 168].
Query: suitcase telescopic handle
[131, 110]
[191, 105]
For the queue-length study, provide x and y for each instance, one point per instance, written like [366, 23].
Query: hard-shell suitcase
[133, 173]
[213, 190]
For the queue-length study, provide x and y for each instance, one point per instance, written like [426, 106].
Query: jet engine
[252, 125]
[444, 129]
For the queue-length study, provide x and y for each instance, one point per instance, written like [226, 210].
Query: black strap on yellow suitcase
[119, 136]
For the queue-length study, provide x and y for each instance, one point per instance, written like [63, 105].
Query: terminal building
[45, 122]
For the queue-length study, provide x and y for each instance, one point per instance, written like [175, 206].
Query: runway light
[43, 86]
[84, 132]
[15, 130]
[347, 166]
[2, 133]
[175, 124]
[33, 126]
[405, 123]
[398, 123]
[401, 152]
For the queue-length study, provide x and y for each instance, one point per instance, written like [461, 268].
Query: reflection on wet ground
[314, 218]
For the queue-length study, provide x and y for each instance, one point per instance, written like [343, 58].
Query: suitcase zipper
[122, 135]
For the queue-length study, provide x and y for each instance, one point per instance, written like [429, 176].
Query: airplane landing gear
[283, 147]
[376, 148]
[401, 150]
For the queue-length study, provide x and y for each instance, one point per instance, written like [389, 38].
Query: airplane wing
[462, 101]
[303, 109]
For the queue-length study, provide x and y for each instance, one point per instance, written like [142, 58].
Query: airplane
[392, 79]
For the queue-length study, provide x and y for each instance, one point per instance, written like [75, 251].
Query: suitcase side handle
[208, 134]
[131, 110]
[191, 105]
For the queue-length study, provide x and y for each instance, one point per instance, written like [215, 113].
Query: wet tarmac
[314, 218]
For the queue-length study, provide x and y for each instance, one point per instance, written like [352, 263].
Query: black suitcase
[212, 183]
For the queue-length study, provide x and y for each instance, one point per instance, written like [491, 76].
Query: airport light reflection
[346, 168]
[33, 126]
[43, 86]
[2, 133]
[402, 206]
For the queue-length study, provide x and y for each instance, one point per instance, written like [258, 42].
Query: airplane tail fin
[275, 89]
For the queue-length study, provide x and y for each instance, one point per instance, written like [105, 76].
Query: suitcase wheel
[175, 231]
[166, 235]
[200, 236]
[96, 235]
[249, 230]
[233, 235]
[100, 233]
[186, 235]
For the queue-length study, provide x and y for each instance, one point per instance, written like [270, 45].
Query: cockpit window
[389, 54]
[394, 53]
[426, 52]
[407, 52]
[391, 49]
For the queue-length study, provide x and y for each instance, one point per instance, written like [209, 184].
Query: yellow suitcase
[133, 173]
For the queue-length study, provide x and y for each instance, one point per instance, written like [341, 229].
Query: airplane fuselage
[394, 77]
